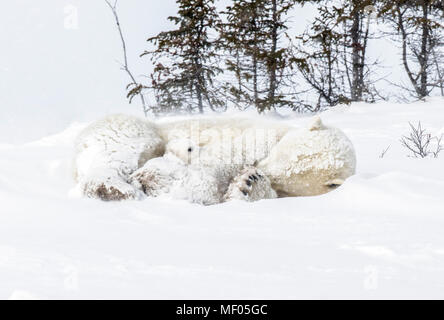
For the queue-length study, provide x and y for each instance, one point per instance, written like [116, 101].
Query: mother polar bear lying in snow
[210, 160]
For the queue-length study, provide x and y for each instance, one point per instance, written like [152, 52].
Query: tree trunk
[255, 90]
[273, 62]
[199, 85]
[357, 65]
[199, 98]
[238, 75]
[255, 64]
[400, 25]
[423, 60]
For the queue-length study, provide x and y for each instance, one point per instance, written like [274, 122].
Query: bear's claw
[250, 185]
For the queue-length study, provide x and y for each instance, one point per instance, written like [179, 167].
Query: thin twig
[384, 152]
[125, 65]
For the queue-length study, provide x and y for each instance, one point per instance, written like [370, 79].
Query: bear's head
[185, 149]
[310, 161]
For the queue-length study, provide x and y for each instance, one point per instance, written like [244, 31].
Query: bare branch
[384, 152]
[439, 146]
[125, 66]
[419, 142]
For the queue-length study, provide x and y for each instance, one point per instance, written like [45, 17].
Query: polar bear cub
[210, 160]
[179, 174]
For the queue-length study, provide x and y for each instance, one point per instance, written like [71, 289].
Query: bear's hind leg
[111, 188]
[104, 176]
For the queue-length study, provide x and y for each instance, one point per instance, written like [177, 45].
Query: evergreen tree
[259, 56]
[319, 55]
[185, 60]
[332, 53]
[243, 38]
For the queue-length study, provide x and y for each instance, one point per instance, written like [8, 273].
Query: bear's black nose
[190, 149]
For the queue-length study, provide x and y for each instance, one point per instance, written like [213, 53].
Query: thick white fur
[205, 160]
[111, 149]
[310, 161]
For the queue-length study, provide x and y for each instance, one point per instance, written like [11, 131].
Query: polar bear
[178, 175]
[125, 157]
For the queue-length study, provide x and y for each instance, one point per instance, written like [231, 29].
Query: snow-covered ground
[381, 235]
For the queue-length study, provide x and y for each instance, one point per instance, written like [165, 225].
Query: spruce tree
[259, 55]
[332, 53]
[185, 60]
[243, 38]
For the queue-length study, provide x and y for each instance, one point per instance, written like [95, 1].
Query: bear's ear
[202, 143]
[204, 138]
[316, 124]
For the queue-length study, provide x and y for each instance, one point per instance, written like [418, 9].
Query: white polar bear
[210, 160]
[177, 175]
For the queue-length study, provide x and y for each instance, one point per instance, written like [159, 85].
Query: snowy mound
[378, 236]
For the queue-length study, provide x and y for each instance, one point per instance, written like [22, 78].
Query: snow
[378, 236]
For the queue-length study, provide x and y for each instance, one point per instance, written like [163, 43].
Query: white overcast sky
[51, 75]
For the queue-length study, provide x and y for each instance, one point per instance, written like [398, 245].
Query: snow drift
[378, 236]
